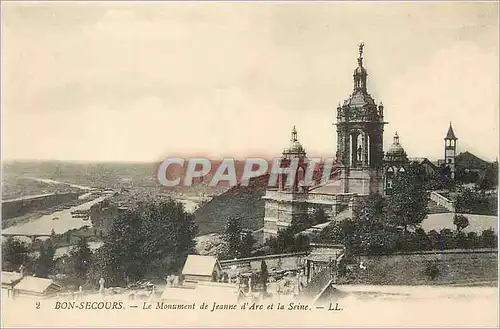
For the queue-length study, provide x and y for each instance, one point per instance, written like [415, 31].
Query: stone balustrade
[442, 201]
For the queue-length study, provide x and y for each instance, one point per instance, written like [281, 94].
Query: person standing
[101, 286]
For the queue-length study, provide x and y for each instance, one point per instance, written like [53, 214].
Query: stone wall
[274, 263]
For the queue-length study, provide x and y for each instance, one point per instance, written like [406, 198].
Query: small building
[321, 257]
[472, 165]
[395, 163]
[430, 168]
[30, 286]
[201, 268]
[9, 280]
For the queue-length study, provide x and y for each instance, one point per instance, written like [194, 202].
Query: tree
[247, 244]
[14, 254]
[302, 222]
[472, 240]
[45, 262]
[288, 241]
[331, 234]
[264, 275]
[461, 222]
[319, 216]
[460, 240]
[408, 202]
[422, 240]
[444, 177]
[232, 236]
[239, 243]
[370, 213]
[475, 202]
[489, 181]
[447, 239]
[435, 240]
[488, 239]
[432, 269]
[351, 236]
[372, 231]
[301, 243]
[81, 257]
[151, 238]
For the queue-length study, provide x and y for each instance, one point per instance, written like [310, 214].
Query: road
[477, 223]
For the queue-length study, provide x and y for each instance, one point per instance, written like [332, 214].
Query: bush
[475, 202]
[488, 239]
[432, 269]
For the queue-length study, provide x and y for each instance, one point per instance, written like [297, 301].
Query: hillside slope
[453, 266]
[244, 202]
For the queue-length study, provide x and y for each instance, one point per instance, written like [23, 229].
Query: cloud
[458, 84]
[133, 82]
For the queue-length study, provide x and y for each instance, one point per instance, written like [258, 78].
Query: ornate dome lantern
[396, 153]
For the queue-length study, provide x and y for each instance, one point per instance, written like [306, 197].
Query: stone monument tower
[360, 129]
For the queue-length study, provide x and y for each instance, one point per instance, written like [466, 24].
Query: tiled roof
[34, 284]
[199, 265]
[468, 159]
[10, 277]
[451, 133]
[359, 98]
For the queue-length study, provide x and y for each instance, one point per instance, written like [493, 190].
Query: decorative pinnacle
[396, 138]
[360, 58]
[294, 134]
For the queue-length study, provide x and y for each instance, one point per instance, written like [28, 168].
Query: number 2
[37, 305]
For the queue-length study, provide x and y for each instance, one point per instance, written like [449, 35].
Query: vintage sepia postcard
[249, 164]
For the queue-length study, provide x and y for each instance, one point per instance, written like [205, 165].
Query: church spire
[451, 134]
[360, 72]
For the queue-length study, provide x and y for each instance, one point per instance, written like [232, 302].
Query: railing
[289, 196]
[317, 284]
[442, 201]
[322, 197]
[229, 262]
[285, 196]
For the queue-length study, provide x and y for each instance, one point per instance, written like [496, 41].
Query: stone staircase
[434, 208]
[320, 283]
[314, 288]
[346, 213]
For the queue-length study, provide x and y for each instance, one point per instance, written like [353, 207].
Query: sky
[143, 81]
